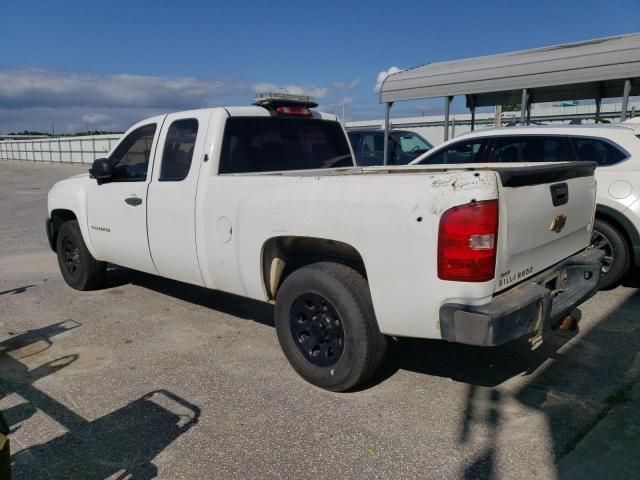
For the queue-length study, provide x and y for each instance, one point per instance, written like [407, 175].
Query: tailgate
[546, 215]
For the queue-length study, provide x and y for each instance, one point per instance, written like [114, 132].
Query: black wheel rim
[317, 329]
[599, 241]
[71, 256]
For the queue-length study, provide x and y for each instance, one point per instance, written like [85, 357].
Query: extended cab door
[172, 196]
[117, 209]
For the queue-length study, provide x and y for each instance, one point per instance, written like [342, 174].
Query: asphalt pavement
[151, 378]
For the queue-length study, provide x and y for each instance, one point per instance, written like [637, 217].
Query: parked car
[616, 149]
[250, 200]
[404, 146]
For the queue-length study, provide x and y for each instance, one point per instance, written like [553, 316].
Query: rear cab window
[270, 144]
[178, 150]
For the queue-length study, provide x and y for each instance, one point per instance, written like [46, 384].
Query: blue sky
[108, 64]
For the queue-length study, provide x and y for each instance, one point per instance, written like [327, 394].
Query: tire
[617, 259]
[341, 324]
[78, 267]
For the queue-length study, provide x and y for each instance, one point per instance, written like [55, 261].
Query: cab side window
[130, 160]
[594, 150]
[467, 151]
[178, 150]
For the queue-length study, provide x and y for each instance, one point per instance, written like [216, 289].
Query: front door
[117, 209]
[172, 195]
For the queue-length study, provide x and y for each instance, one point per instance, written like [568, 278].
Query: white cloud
[44, 88]
[384, 74]
[94, 118]
[347, 101]
[44, 100]
[34, 99]
[346, 86]
[311, 90]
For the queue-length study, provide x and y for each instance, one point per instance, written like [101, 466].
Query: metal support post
[523, 106]
[471, 103]
[625, 100]
[447, 106]
[387, 109]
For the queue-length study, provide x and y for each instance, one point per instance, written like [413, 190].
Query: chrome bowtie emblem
[558, 223]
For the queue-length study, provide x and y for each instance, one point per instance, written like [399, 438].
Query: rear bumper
[533, 307]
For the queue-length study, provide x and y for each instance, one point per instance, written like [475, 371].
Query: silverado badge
[558, 223]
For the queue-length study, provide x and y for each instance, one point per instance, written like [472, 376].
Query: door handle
[134, 201]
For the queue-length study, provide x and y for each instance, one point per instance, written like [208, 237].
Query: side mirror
[101, 169]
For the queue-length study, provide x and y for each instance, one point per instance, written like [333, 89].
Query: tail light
[467, 242]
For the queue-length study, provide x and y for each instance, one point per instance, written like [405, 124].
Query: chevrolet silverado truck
[266, 202]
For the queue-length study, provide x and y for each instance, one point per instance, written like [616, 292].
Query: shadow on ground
[228, 303]
[122, 443]
[569, 383]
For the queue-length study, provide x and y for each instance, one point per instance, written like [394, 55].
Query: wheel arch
[284, 254]
[57, 217]
[626, 228]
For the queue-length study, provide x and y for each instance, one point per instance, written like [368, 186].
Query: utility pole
[497, 119]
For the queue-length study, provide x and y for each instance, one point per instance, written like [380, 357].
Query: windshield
[268, 144]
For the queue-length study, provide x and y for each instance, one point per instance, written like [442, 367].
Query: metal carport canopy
[590, 69]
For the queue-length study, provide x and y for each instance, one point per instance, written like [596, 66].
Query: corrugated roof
[560, 72]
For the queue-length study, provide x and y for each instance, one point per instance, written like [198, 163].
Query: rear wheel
[616, 260]
[327, 328]
[78, 267]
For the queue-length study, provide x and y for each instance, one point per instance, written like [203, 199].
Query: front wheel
[616, 260]
[78, 267]
[326, 326]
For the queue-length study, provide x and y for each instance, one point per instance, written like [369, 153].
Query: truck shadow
[122, 443]
[479, 366]
[632, 278]
[228, 303]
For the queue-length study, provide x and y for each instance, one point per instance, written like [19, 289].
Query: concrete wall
[79, 150]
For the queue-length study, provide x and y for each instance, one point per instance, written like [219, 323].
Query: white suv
[616, 149]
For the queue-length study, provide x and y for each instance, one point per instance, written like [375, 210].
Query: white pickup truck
[266, 202]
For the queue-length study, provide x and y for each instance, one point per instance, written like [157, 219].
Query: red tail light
[298, 111]
[467, 242]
